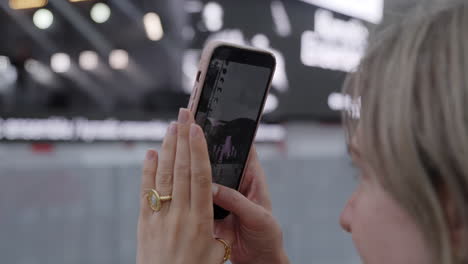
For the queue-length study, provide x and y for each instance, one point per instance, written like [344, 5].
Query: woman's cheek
[383, 232]
[362, 231]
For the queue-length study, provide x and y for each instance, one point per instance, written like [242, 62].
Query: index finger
[201, 195]
[150, 166]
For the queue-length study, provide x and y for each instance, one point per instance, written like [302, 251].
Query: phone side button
[198, 76]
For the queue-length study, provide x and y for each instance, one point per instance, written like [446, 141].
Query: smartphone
[227, 101]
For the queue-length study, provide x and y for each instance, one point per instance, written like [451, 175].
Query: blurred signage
[81, 129]
[343, 102]
[316, 43]
[335, 44]
[369, 10]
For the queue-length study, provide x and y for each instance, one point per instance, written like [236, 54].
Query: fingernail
[183, 116]
[150, 155]
[173, 128]
[214, 188]
[194, 130]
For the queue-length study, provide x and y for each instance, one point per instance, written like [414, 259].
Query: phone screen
[229, 109]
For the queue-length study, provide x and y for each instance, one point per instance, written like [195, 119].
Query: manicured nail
[194, 130]
[183, 116]
[173, 128]
[150, 155]
[214, 188]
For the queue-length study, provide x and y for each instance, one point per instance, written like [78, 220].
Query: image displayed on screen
[228, 110]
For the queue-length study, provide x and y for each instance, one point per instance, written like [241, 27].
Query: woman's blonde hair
[412, 91]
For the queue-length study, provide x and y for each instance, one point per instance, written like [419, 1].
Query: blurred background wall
[87, 86]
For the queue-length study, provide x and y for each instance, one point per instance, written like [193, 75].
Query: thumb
[249, 213]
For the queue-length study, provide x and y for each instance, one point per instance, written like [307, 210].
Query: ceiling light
[153, 26]
[4, 63]
[118, 59]
[88, 60]
[213, 14]
[8, 73]
[280, 18]
[43, 18]
[60, 62]
[100, 13]
[26, 4]
[39, 71]
[271, 104]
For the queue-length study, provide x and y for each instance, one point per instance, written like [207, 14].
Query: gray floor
[57, 209]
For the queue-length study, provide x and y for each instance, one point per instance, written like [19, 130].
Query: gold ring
[227, 249]
[155, 200]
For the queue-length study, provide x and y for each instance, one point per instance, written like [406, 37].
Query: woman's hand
[182, 231]
[256, 235]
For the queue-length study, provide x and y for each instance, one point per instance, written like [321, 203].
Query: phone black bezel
[244, 56]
